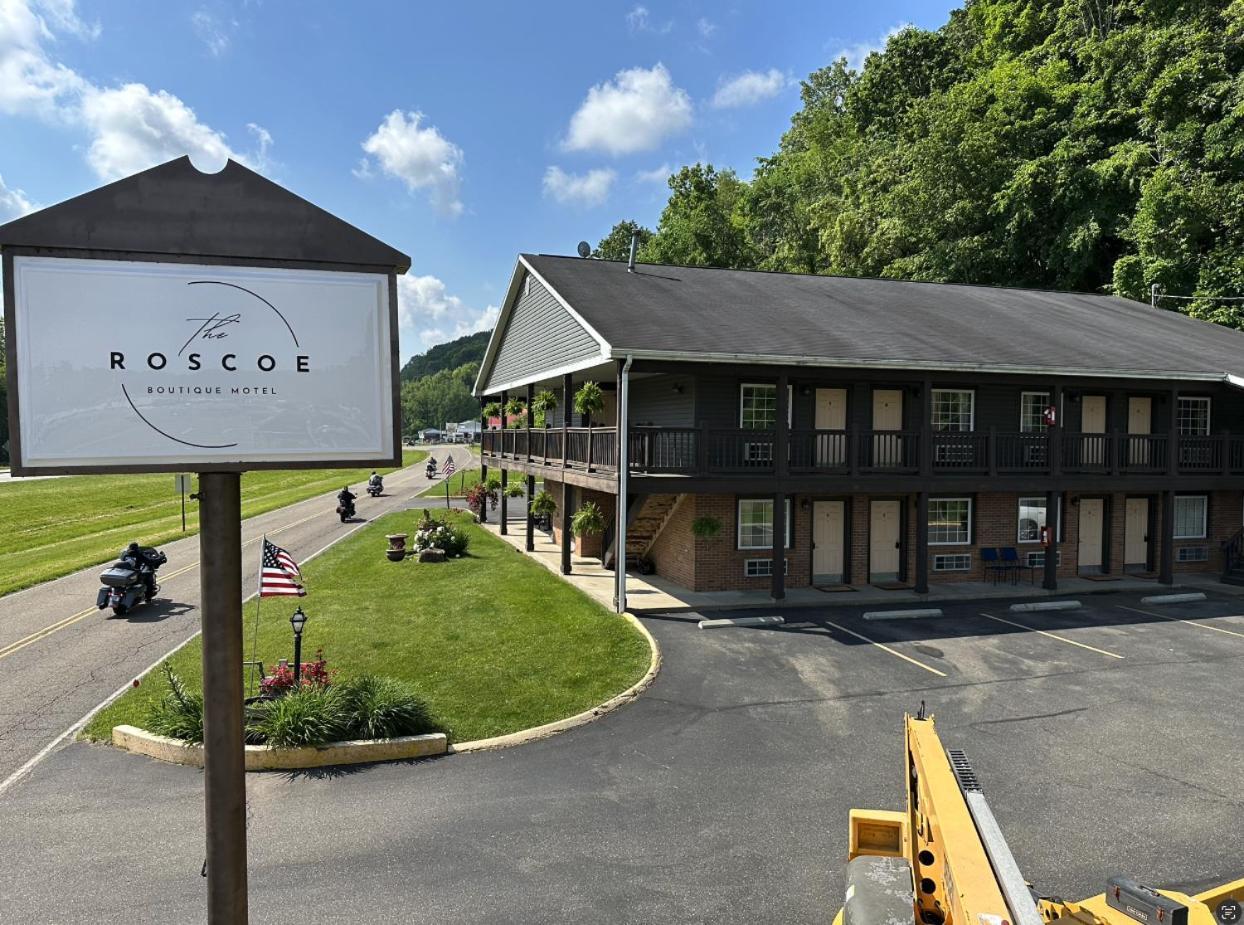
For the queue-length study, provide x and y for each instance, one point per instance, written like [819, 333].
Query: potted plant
[515, 409]
[543, 507]
[542, 404]
[493, 486]
[492, 410]
[587, 523]
[589, 401]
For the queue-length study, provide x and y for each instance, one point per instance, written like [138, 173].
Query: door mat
[891, 585]
[832, 589]
[1100, 577]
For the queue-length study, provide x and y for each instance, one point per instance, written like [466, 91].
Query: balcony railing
[724, 451]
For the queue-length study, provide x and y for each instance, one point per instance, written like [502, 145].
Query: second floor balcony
[708, 451]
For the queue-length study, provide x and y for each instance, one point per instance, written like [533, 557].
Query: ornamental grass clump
[383, 708]
[179, 713]
[306, 716]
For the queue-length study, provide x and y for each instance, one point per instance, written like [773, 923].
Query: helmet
[133, 549]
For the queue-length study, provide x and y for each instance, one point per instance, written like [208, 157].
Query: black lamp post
[297, 621]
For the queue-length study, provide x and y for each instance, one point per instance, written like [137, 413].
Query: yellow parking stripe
[1033, 629]
[1204, 626]
[885, 648]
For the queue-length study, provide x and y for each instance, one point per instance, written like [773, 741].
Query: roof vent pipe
[630, 264]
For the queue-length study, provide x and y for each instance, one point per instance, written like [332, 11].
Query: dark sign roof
[705, 314]
[174, 209]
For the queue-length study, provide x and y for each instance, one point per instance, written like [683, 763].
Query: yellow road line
[61, 624]
[885, 648]
[1033, 629]
[1204, 626]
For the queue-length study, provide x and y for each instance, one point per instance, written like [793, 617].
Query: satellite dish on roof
[584, 249]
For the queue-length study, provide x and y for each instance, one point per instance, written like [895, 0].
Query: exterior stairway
[650, 515]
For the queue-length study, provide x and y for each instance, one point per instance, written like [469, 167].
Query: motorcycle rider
[138, 560]
[346, 498]
[375, 481]
[431, 469]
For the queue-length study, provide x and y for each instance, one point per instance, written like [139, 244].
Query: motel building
[782, 430]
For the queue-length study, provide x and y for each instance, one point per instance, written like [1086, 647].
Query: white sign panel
[125, 364]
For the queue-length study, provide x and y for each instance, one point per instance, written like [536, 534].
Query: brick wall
[588, 547]
[674, 554]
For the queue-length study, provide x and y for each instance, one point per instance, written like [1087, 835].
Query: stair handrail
[1232, 552]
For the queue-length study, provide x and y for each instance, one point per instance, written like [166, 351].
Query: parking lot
[1107, 739]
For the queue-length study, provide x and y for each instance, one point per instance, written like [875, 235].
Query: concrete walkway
[654, 594]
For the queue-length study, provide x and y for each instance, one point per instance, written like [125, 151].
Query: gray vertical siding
[539, 335]
[663, 401]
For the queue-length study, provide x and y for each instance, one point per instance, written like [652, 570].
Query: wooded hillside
[1065, 144]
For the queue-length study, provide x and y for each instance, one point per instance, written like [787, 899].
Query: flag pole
[255, 631]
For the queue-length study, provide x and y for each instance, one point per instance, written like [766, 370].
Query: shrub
[383, 708]
[282, 679]
[588, 520]
[706, 526]
[435, 533]
[311, 715]
[481, 493]
[179, 713]
[543, 504]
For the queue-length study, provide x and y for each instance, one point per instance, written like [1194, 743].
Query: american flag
[279, 573]
[448, 468]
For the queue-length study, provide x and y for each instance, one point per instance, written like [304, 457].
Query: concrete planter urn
[397, 547]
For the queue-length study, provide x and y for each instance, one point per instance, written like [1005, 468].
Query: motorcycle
[430, 470]
[124, 586]
[345, 509]
[376, 488]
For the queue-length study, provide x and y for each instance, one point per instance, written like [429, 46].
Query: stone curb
[1174, 598]
[579, 719]
[902, 614]
[741, 621]
[1045, 605]
[268, 758]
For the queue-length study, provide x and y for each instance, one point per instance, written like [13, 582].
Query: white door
[887, 416]
[1136, 535]
[1139, 419]
[883, 541]
[827, 531]
[1093, 421]
[1092, 517]
[831, 414]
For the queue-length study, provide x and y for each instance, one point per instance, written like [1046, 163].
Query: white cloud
[640, 20]
[748, 88]
[429, 315]
[635, 111]
[657, 174]
[858, 53]
[705, 27]
[212, 32]
[420, 157]
[13, 203]
[131, 127]
[583, 189]
[134, 128]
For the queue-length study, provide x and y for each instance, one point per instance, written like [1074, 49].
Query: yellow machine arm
[944, 861]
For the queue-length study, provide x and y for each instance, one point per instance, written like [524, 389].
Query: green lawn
[52, 527]
[493, 641]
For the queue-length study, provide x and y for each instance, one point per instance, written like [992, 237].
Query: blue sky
[462, 133]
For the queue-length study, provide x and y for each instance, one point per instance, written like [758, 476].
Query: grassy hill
[450, 356]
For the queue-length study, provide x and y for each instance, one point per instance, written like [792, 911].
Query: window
[758, 411]
[762, 568]
[756, 523]
[1032, 407]
[1192, 554]
[1032, 519]
[959, 562]
[953, 409]
[1190, 511]
[950, 521]
[1193, 417]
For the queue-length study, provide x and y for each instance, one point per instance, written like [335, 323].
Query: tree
[699, 226]
[617, 244]
[439, 399]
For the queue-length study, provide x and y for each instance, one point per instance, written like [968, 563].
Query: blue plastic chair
[1011, 560]
[993, 564]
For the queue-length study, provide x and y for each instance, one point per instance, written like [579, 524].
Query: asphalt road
[721, 795]
[60, 657]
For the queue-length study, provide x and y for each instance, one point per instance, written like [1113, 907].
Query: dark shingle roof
[175, 209]
[752, 315]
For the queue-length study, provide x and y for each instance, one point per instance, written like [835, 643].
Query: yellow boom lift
[945, 862]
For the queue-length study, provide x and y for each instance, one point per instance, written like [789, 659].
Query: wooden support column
[531, 519]
[778, 582]
[567, 539]
[531, 421]
[1054, 435]
[567, 397]
[1050, 581]
[505, 509]
[922, 542]
[1172, 439]
[781, 428]
[1166, 570]
[925, 447]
